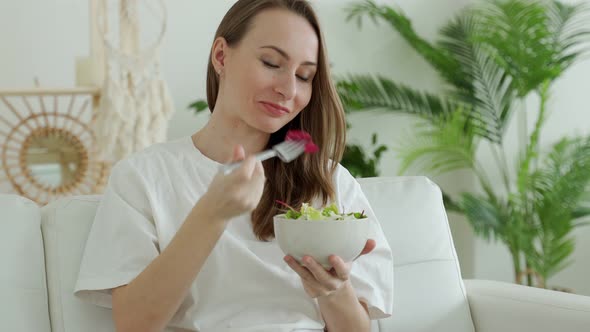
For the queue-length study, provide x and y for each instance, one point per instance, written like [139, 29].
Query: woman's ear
[219, 53]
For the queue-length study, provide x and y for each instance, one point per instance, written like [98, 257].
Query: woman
[178, 245]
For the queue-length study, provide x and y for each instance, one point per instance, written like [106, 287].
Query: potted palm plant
[492, 56]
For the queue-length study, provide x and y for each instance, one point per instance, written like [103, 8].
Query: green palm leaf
[531, 40]
[564, 177]
[439, 58]
[456, 41]
[492, 95]
[488, 87]
[517, 32]
[582, 210]
[364, 92]
[440, 147]
[559, 186]
[487, 219]
[568, 26]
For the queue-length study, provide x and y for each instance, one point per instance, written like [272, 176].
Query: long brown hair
[309, 177]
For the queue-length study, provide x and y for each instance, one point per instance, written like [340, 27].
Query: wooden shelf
[90, 90]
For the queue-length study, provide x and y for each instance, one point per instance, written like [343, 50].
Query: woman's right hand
[236, 193]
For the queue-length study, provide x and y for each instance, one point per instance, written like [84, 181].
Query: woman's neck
[217, 139]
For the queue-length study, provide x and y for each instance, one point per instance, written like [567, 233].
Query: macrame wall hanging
[57, 142]
[135, 104]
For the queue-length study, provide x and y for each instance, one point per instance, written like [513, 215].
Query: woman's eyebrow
[286, 56]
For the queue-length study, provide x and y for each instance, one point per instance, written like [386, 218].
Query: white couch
[40, 250]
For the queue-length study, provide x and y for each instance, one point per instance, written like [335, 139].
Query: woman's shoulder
[173, 148]
[341, 174]
[157, 153]
[154, 160]
[344, 183]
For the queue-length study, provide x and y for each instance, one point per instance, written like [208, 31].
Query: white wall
[43, 37]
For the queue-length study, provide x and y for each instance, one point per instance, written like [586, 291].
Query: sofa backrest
[429, 294]
[65, 225]
[23, 292]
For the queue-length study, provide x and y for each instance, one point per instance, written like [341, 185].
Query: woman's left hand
[318, 281]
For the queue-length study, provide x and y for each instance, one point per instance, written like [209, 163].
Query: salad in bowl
[321, 232]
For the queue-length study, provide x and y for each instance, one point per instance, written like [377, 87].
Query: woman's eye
[303, 79]
[269, 64]
[273, 66]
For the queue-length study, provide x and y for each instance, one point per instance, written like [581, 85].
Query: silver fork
[287, 151]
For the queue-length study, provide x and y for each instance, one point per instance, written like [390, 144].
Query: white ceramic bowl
[320, 239]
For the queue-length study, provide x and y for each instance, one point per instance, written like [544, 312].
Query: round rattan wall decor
[47, 146]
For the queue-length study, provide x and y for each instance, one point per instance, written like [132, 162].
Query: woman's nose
[286, 85]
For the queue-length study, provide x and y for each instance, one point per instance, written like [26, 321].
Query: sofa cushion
[65, 226]
[429, 291]
[22, 277]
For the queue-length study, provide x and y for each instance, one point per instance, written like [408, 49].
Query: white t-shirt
[244, 284]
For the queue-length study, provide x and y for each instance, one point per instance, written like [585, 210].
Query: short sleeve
[122, 240]
[371, 274]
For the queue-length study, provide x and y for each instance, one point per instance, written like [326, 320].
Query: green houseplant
[492, 56]
[360, 163]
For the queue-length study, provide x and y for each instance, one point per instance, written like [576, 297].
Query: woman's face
[267, 78]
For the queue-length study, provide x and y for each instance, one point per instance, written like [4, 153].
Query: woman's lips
[274, 109]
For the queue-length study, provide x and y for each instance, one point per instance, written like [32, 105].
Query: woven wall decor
[47, 147]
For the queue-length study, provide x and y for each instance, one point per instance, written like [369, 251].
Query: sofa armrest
[498, 306]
